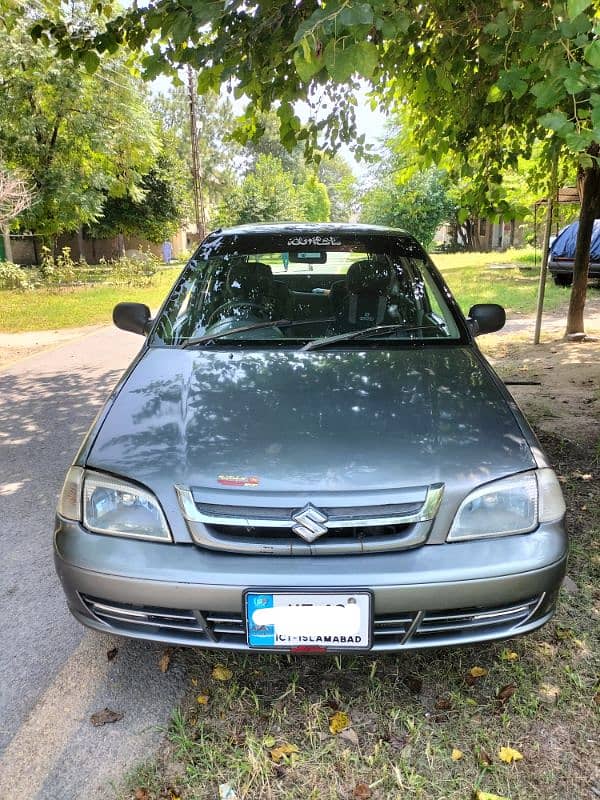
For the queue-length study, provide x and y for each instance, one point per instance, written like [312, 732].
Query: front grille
[403, 630]
[280, 527]
[355, 534]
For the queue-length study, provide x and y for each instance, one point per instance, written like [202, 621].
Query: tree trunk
[36, 250]
[590, 209]
[80, 253]
[7, 245]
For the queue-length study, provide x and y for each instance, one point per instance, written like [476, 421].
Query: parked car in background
[562, 254]
[311, 454]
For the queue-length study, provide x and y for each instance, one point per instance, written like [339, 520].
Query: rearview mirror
[134, 317]
[486, 318]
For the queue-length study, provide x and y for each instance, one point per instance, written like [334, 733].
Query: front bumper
[434, 595]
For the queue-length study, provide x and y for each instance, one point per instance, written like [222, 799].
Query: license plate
[333, 620]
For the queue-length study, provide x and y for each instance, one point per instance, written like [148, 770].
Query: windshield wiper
[376, 330]
[278, 323]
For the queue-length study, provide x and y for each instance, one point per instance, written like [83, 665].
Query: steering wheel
[260, 310]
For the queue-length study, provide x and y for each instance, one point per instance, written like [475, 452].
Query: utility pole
[199, 211]
[550, 203]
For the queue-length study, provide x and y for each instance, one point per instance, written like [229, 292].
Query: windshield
[301, 294]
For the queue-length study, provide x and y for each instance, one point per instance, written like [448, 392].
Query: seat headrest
[250, 279]
[369, 277]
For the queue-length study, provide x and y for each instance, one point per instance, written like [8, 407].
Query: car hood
[315, 421]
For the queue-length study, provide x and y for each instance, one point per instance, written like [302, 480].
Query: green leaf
[307, 68]
[592, 53]
[576, 7]
[366, 58]
[491, 54]
[574, 85]
[91, 61]
[339, 61]
[181, 28]
[495, 94]
[555, 120]
[360, 14]
[579, 142]
[547, 93]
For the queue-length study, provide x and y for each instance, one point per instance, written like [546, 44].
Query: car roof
[309, 228]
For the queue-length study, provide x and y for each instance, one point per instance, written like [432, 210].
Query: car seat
[361, 301]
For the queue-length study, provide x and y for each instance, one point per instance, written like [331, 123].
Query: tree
[156, 214]
[418, 205]
[337, 175]
[314, 201]
[78, 136]
[485, 78]
[15, 197]
[266, 194]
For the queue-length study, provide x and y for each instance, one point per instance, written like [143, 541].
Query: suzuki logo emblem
[310, 523]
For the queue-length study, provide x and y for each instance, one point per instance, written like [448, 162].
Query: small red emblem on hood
[238, 480]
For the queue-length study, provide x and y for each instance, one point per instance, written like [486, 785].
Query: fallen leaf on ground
[509, 655]
[484, 758]
[277, 753]
[509, 754]
[165, 659]
[105, 716]
[221, 673]
[202, 699]
[361, 792]
[141, 794]
[194, 681]
[350, 735]
[479, 795]
[112, 653]
[339, 721]
[549, 693]
[456, 754]
[504, 694]
[443, 704]
[478, 672]
[563, 633]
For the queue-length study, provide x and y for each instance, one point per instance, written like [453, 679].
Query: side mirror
[486, 318]
[134, 317]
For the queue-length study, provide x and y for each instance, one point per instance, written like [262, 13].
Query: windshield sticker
[238, 480]
[322, 241]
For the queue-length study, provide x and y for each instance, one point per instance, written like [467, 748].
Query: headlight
[119, 508]
[509, 506]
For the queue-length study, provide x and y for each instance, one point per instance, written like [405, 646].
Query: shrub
[14, 277]
[60, 269]
[128, 271]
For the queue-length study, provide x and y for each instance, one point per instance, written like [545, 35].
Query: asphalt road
[54, 674]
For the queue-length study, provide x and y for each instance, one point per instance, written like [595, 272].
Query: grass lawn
[49, 309]
[472, 277]
[416, 725]
[509, 278]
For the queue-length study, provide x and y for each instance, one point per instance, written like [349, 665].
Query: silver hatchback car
[310, 454]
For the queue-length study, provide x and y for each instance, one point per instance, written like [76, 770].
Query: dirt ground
[564, 395]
